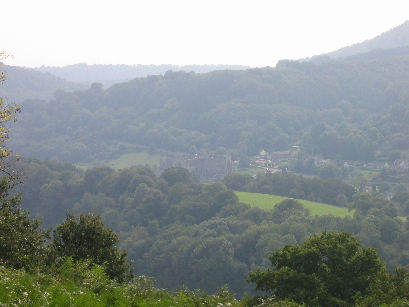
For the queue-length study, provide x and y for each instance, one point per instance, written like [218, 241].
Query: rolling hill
[26, 83]
[111, 74]
[395, 38]
[243, 111]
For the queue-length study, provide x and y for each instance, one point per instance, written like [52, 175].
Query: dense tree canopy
[182, 232]
[22, 240]
[326, 270]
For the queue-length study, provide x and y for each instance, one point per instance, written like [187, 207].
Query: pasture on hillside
[268, 202]
[134, 159]
[140, 158]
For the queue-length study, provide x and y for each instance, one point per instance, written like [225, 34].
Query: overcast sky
[254, 33]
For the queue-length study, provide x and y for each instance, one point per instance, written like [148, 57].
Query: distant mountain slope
[110, 74]
[381, 54]
[25, 83]
[349, 109]
[394, 38]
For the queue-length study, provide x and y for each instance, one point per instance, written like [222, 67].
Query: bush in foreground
[82, 283]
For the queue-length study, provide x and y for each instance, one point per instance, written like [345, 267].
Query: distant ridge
[26, 83]
[397, 37]
[110, 74]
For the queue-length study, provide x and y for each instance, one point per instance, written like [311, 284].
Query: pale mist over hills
[110, 74]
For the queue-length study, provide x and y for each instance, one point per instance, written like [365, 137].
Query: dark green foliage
[353, 146]
[22, 241]
[237, 182]
[288, 208]
[326, 270]
[48, 185]
[387, 290]
[174, 175]
[199, 235]
[87, 238]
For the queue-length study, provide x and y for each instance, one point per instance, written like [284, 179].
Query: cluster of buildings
[270, 162]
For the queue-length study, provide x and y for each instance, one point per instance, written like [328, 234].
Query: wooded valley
[293, 191]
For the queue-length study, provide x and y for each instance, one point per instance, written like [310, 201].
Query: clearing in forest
[268, 201]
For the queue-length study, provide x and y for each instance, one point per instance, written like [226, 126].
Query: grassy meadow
[267, 202]
[140, 158]
[135, 158]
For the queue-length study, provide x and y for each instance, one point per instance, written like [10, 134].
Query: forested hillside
[351, 109]
[395, 38]
[181, 232]
[25, 83]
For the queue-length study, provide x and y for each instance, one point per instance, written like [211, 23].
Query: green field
[403, 218]
[251, 171]
[267, 202]
[136, 158]
[140, 158]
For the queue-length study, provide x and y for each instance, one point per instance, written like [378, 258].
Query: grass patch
[140, 158]
[268, 202]
[135, 158]
[251, 171]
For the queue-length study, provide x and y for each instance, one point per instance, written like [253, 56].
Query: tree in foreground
[22, 242]
[86, 237]
[7, 114]
[330, 269]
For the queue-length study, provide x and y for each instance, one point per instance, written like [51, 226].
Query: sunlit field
[268, 202]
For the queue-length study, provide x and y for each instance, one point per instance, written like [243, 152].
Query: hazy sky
[255, 33]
